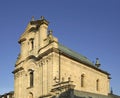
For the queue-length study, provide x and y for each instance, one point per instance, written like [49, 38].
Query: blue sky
[90, 27]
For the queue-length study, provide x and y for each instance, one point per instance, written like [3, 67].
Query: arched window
[31, 43]
[31, 78]
[82, 80]
[30, 95]
[97, 84]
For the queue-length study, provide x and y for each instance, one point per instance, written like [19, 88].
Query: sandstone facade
[43, 64]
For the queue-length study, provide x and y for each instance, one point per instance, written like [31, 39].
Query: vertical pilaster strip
[47, 75]
[59, 66]
[42, 77]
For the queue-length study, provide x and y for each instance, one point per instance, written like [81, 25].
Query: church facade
[47, 69]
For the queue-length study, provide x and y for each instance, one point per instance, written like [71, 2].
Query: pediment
[29, 28]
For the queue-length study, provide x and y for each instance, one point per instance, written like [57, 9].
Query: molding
[19, 63]
[17, 70]
[39, 22]
[21, 40]
[56, 50]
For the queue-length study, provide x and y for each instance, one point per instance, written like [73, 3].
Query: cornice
[21, 40]
[18, 69]
[56, 50]
[39, 22]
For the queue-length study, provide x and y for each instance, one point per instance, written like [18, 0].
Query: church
[47, 69]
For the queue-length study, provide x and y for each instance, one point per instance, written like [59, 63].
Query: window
[30, 95]
[31, 44]
[31, 78]
[82, 80]
[97, 84]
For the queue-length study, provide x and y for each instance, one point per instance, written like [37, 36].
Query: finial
[50, 32]
[32, 18]
[42, 17]
[97, 64]
[111, 91]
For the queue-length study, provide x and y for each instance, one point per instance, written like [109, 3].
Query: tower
[34, 65]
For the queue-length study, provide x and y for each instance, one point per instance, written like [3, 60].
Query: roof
[75, 54]
[81, 94]
[78, 57]
[5, 94]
